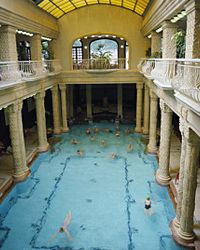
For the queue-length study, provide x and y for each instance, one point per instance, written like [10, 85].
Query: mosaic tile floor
[105, 196]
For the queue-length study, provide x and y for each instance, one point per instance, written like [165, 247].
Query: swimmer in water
[114, 156]
[63, 228]
[79, 152]
[147, 206]
[74, 141]
[129, 148]
[103, 143]
[88, 131]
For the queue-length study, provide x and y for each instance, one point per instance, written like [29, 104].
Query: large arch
[91, 20]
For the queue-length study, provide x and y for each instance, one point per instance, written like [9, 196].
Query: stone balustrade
[100, 64]
[25, 70]
[181, 75]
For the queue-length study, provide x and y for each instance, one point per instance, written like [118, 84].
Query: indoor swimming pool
[104, 189]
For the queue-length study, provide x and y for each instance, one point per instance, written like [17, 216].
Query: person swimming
[80, 152]
[147, 206]
[88, 131]
[129, 147]
[74, 141]
[63, 228]
[114, 155]
[103, 143]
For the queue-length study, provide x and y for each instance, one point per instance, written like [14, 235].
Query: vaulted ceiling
[58, 8]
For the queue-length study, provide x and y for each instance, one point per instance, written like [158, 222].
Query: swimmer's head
[148, 198]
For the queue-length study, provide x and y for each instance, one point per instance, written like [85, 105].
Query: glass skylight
[58, 8]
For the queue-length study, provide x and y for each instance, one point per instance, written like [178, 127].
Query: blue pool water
[105, 196]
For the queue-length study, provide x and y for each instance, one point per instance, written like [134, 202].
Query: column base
[175, 223]
[43, 148]
[57, 131]
[65, 130]
[145, 131]
[183, 239]
[152, 149]
[138, 130]
[162, 180]
[21, 177]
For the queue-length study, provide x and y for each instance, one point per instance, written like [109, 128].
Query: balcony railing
[182, 75]
[26, 70]
[100, 64]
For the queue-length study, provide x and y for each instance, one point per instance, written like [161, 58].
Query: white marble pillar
[20, 169]
[43, 145]
[185, 232]
[56, 109]
[89, 100]
[152, 146]
[120, 100]
[162, 174]
[146, 110]
[169, 41]
[63, 90]
[155, 43]
[193, 29]
[176, 221]
[53, 49]
[138, 128]
[36, 47]
[8, 48]
[71, 98]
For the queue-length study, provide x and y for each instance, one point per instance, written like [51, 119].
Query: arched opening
[100, 52]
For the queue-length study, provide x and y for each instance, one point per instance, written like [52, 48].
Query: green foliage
[180, 43]
[156, 55]
[100, 53]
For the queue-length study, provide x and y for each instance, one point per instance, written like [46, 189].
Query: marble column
[120, 101]
[185, 232]
[63, 90]
[20, 169]
[176, 221]
[146, 110]
[71, 98]
[162, 174]
[89, 100]
[8, 48]
[56, 109]
[152, 146]
[138, 128]
[193, 29]
[53, 49]
[169, 41]
[155, 42]
[36, 47]
[8, 52]
[43, 145]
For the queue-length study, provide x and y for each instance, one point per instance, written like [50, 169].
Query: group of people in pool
[91, 131]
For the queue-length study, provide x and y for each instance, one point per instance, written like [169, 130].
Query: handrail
[13, 71]
[100, 64]
[182, 75]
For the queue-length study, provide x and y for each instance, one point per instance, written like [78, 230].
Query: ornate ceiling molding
[15, 20]
[163, 12]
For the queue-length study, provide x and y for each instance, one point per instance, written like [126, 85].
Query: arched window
[105, 49]
[77, 51]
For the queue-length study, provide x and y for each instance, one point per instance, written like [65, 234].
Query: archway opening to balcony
[100, 52]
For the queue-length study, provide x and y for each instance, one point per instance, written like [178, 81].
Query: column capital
[62, 87]
[169, 25]
[192, 5]
[40, 95]
[16, 106]
[54, 89]
[164, 107]
[139, 85]
[8, 29]
[153, 95]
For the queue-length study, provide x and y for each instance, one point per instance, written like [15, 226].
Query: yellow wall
[100, 19]
[28, 9]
